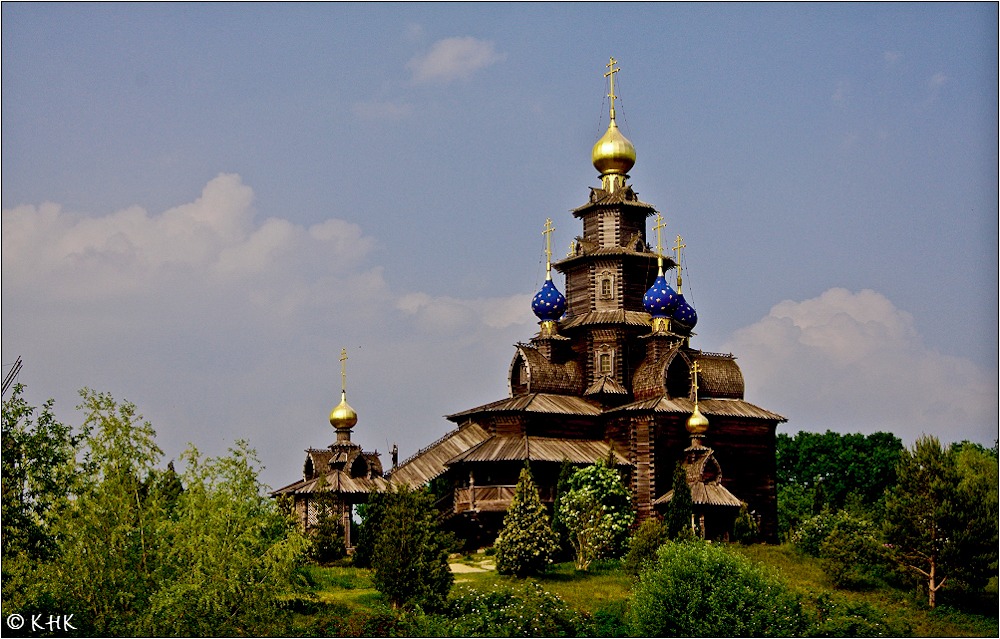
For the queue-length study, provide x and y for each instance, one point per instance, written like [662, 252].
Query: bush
[504, 612]
[410, 562]
[852, 556]
[846, 619]
[698, 589]
[526, 544]
[597, 512]
[745, 526]
[644, 543]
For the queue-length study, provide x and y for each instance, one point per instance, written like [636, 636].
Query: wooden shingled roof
[606, 384]
[705, 495]
[545, 376]
[552, 449]
[534, 403]
[620, 316]
[720, 376]
[336, 481]
[601, 198]
[708, 407]
[429, 462]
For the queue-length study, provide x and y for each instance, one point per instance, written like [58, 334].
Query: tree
[842, 464]
[745, 526]
[597, 512]
[644, 543]
[526, 543]
[371, 513]
[696, 589]
[678, 517]
[935, 522]
[410, 559]
[565, 550]
[39, 472]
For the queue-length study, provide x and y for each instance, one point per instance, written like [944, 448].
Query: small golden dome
[613, 153]
[697, 423]
[343, 416]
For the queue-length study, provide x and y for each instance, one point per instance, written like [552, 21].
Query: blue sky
[202, 204]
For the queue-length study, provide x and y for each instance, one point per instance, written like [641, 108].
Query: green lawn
[345, 602]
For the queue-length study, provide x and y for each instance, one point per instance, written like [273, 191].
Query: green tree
[644, 543]
[794, 506]
[695, 589]
[371, 514]
[410, 560]
[526, 543]
[565, 550]
[678, 516]
[745, 526]
[977, 533]
[39, 472]
[926, 515]
[226, 556]
[598, 513]
[842, 464]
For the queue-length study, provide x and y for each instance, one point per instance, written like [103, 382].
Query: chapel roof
[551, 449]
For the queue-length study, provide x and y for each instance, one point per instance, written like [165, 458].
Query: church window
[605, 364]
[607, 285]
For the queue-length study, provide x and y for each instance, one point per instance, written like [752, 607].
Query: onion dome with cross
[683, 312]
[660, 300]
[343, 418]
[613, 154]
[548, 304]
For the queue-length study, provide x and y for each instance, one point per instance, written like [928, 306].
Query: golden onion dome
[343, 416]
[613, 153]
[697, 423]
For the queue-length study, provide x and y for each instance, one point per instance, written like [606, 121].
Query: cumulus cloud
[854, 362]
[454, 58]
[447, 315]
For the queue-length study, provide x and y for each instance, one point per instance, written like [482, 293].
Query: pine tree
[410, 561]
[565, 550]
[678, 519]
[526, 544]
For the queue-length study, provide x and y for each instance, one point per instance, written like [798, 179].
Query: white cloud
[447, 315]
[855, 362]
[454, 58]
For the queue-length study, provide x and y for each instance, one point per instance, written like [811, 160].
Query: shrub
[698, 589]
[852, 556]
[410, 561]
[745, 526]
[644, 543]
[846, 619]
[678, 517]
[504, 612]
[327, 538]
[526, 544]
[597, 512]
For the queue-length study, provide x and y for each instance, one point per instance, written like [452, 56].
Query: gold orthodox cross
[611, 74]
[695, 369]
[548, 243]
[343, 368]
[659, 225]
[677, 251]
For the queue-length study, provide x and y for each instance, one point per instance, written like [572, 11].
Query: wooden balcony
[492, 498]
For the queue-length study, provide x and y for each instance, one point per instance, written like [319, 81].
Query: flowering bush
[504, 612]
[597, 512]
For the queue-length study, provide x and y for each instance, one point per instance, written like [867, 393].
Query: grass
[345, 592]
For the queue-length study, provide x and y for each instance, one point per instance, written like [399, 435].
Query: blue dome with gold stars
[685, 313]
[660, 300]
[549, 304]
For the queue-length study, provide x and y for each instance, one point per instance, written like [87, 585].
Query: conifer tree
[678, 519]
[526, 544]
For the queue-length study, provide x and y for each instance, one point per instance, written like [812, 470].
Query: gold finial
[613, 155]
[659, 246]
[697, 424]
[611, 73]
[572, 249]
[343, 417]
[548, 247]
[677, 251]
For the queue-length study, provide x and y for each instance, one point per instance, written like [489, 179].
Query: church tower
[611, 374]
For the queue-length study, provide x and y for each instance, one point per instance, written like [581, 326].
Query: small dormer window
[606, 288]
[605, 363]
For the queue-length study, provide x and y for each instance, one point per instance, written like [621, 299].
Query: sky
[202, 204]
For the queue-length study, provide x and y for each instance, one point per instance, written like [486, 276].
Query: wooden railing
[493, 498]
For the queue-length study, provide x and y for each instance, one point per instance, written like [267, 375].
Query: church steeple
[613, 155]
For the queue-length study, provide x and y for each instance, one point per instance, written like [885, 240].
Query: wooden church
[610, 375]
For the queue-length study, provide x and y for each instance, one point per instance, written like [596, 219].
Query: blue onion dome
[660, 300]
[685, 314]
[549, 304]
